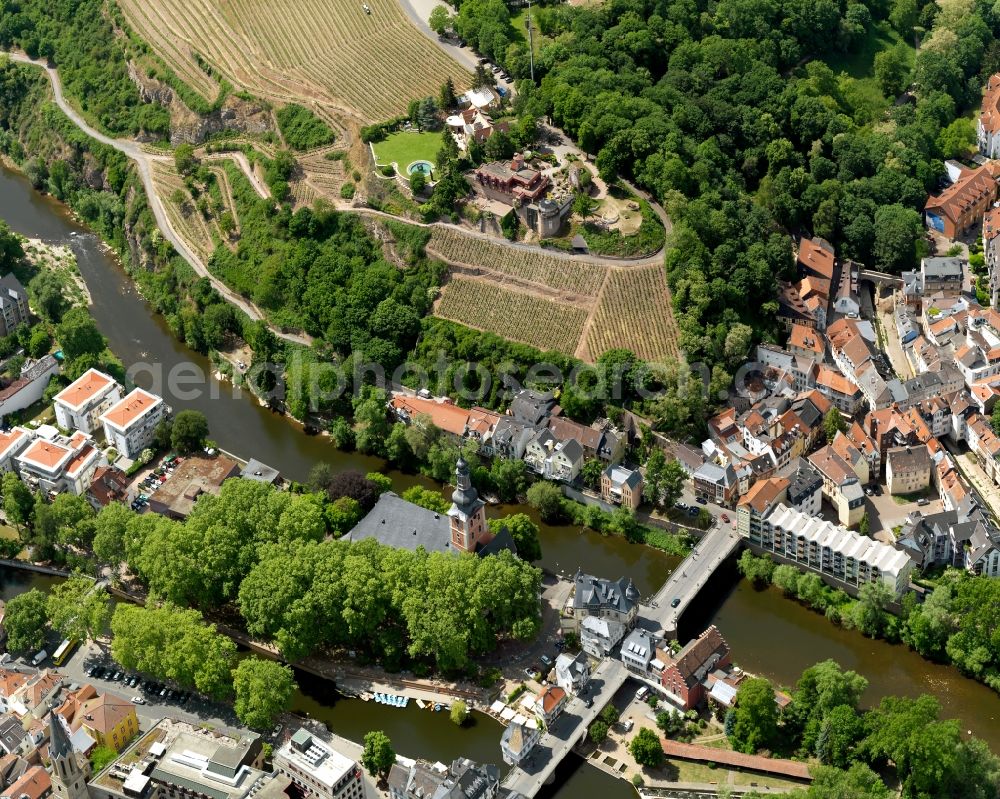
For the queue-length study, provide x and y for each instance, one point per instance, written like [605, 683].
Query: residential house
[549, 703]
[35, 783]
[34, 696]
[13, 304]
[463, 779]
[517, 742]
[317, 768]
[617, 600]
[799, 366]
[816, 257]
[835, 552]
[109, 719]
[532, 407]
[12, 735]
[716, 483]
[841, 486]
[480, 427]
[961, 206]
[600, 637]
[443, 414]
[763, 497]
[12, 443]
[473, 125]
[108, 485]
[991, 251]
[806, 343]
[907, 469]
[29, 387]
[638, 651]
[847, 298]
[841, 392]
[794, 307]
[565, 461]
[130, 424]
[10, 682]
[852, 456]
[599, 441]
[55, 463]
[573, 672]
[805, 489]
[943, 274]
[510, 438]
[79, 406]
[988, 124]
[684, 675]
[621, 486]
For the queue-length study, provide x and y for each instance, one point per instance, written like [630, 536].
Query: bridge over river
[659, 618]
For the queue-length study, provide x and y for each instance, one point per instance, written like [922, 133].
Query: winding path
[143, 160]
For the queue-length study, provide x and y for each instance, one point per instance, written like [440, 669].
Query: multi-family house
[12, 443]
[782, 362]
[852, 456]
[638, 652]
[841, 392]
[599, 441]
[317, 768]
[600, 637]
[684, 675]
[907, 469]
[532, 407]
[807, 343]
[805, 488]
[511, 438]
[35, 783]
[939, 275]
[816, 258]
[714, 483]
[573, 672]
[763, 497]
[518, 741]
[617, 600]
[841, 486]
[621, 486]
[79, 406]
[550, 703]
[988, 124]
[29, 386]
[56, 463]
[13, 304]
[866, 445]
[834, 551]
[130, 424]
[960, 207]
[463, 779]
[107, 719]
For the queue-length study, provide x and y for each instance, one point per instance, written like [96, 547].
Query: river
[769, 634]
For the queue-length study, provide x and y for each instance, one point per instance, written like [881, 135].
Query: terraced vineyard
[324, 175]
[560, 274]
[325, 54]
[185, 219]
[635, 312]
[512, 314]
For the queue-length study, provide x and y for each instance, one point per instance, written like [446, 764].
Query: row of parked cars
[151, 688]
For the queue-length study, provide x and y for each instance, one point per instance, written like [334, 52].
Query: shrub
[347, 191]
[302, 129]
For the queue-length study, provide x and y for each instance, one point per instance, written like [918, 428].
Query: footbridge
[660, 616]
[881, 278]
[567, 730]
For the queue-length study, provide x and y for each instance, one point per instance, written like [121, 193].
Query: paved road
[567, 730]
[687, 580]
[143, 162]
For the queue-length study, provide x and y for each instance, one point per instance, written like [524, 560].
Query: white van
[642, 693]
[39, 658]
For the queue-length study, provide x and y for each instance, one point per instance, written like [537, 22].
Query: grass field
[328, 55]
[403, 148]
[861, 89]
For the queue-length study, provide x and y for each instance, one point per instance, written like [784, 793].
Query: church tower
[68, 779]
[468, 513]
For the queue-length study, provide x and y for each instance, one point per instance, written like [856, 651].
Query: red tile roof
[814, 255]
[83, 388]
[444, 415]
[770, 765]
[33, 784]
[47, 454]
[123, 413]
[990, 114]
[962, 193]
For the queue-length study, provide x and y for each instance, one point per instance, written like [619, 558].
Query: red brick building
[684, 676]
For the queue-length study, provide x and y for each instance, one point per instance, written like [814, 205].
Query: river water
[769, 634]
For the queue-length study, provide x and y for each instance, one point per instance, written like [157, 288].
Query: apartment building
[818, 545]
[130, 425]
[56, 463]
[907, 469]
[763, 497]
[79, 406]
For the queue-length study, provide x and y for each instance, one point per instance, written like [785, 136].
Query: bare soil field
[325, 54]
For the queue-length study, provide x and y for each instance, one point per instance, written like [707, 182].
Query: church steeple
[467, 513]
[68, 779]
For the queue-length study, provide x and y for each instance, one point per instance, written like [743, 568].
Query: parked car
[675, 602]
[692, 511]
[923, 501]
[725, 517]
[138, 700]
[546, 660]
[116, 676]
[681, 505]
[701, 500]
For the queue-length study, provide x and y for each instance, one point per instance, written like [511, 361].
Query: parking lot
[148, 480]
[92, 663]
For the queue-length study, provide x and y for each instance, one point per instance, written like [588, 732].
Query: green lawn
[403, 148]
[861, 65]
[519, 21]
